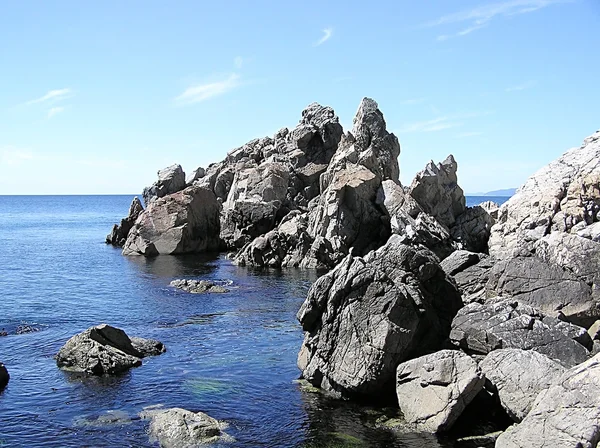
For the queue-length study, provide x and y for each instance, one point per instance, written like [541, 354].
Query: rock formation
[198, 286]
[170, 180]
[119, 233]
[180, 428]
[4, 376]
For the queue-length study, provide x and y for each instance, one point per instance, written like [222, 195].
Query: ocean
[230, 355]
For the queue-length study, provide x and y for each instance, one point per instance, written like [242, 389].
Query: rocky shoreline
[426, 302]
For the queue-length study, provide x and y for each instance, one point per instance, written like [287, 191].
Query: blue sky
[97, 96]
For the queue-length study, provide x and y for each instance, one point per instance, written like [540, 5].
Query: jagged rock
[198, 286]
[565, 415]
[198, 173]
[518, 376]
[437, 192]
[472, 229]
[459, 261]
[492, 208]
[591, 232]
[118, 235]
[594, 331]
[433, 390]
[560, 196]
[480, 329]
[369, 314]
[183, 222]
[4, 376]
[170, 180]
[105, 350]
[180, 428]
[472, 280]
[547, 287]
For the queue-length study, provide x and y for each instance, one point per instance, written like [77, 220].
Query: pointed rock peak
[368, 122]
[317, 115]
[136, 207]
[450, 166]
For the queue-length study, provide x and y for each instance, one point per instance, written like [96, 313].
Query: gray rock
[369, 314]
[4, 376]
[472, 229]
[518, 376]
[565, 415]
[591, 232]
[118, 235]
[433, 390]
[492, 208]
[179, 428]
[480, 329]
[198, 286]
[459, 261]
[184, 222]
[105, 350]
[472, 281]
[170, 180]
[594, 331]
[198, 173]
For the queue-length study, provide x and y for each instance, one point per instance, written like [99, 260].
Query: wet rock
[369, 314]
[170, 180]
[26, 328]
[482, 328]
[183, 222]
[433, 390]
[518, 376]
[180, 428]
[3, 333]
[198, 286]
[4, 376]
[105, 350]
[565, 415]
[118, 235]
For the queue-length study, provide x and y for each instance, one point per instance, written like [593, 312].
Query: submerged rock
[170, 180]
[4, 376]
[118, 235]
[433, 390]
[180, 428]
[105, 350]
[198, 286]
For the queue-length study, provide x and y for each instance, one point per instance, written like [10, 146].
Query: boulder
[170, 180]
[105, 350]
[4, 376]
[180, 428]
[369, 314]
[482, 328]
[434, 389]
[119, 233]
[594, 331]
[198, 286]
[198, 173]
[471, 273]
[565, 415]
[183, 222]
[458, 261]
[472, 228]
[518, 376]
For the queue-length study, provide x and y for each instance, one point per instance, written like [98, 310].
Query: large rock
[195, 175]
[105, 350]
[471, 272]
[119, 233]
[184, 222]
[566, 415]
[4, 376]
[482, 328]
[180, 428]
[433, 390]
[170, 180]
[563, 196]
[472, 229]
[518, 376]
[369, 314]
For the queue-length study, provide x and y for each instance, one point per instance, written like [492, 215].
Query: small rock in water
[24, 329]
[198, 286]
[3, 332]
[4, 376]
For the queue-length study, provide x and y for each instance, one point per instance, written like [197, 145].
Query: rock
[183, 222]
[4, 376]
[198, 286]
[565, 415]
[433, 390]
[198, 173]
[369, 314]
[492, 208]
[518, 376]
[179, 428]
[480, 329]
[105, 350]
[170, 180]
[591, 232]
[594, 331]
[459, 261]
[472, 228]
[560, 196]
[471, 279]
[436, 190]
[118, 235]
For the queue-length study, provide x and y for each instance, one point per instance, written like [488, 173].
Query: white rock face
[179, 428]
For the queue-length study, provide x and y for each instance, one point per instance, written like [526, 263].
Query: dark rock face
[472, 229]
[183, 222]
[480, 329]
[198, 286]
[119, 233]
[170, 180]
[369, 314]
[4, 376]
[105, 350]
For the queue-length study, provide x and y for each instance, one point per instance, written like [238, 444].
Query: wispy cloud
[327, 33]
[202, 92]
[440, 123]
[52, 96]
[468, 134]
[11, 156]
[238, 62]
[523, 86]
[413, 101]
[480, 17]
[54, 111]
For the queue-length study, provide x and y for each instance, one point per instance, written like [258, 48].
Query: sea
[232, 356]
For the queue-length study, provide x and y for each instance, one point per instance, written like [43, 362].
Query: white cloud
[54, 111]
[238, 62]
[203, 92]
[480, 17]
[437, 124]
[11, 156]
[523, 86]
[468, 134]
[52, 96]
[413, 101]
[327, 33]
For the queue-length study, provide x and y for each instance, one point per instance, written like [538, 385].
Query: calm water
[232, 355]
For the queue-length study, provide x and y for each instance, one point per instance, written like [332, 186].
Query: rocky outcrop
[518, 376]
[198, 286]
[471, 273]
[433, 390]
[183, 222]
[4, 376]
[369, 314]
[482, 328]
[195, 175]
[565, 415]
[471, 229]
[105, 350]
[119, 233]
[170, 180]
[180, 428]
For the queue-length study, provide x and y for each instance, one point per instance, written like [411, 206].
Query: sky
[96, 97]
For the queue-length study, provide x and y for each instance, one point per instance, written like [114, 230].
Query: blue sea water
[231, 355]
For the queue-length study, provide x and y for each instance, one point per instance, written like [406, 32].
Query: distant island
[507, 192]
